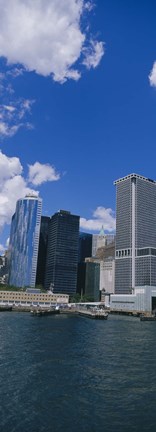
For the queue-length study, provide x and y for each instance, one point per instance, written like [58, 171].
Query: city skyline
[70, 127]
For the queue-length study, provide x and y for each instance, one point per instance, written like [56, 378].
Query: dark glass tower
[62, 253]
[85, 251]
[85, 246]
[42, 252]
[135, 261]
[92, 281]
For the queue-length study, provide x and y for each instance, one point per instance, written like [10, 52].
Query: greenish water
[68, 373]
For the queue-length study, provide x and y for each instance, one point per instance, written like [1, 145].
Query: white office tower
[24, 241]
[135, 254]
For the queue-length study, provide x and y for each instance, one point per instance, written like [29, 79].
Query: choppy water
[68, 373]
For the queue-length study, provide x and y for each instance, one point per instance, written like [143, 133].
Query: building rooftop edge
[133, 175]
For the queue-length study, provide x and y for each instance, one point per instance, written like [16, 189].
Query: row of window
[123, 253]
[139, 252]
[31, 296]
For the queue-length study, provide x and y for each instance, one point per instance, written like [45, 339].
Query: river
[73, 374]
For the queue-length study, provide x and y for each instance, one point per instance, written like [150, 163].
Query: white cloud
[41, 173]
[93, 54]
[152, 76]
[13, 185]
[11, 115]
[8, 131]
[15, 72]
[45, 36]
[101, 216]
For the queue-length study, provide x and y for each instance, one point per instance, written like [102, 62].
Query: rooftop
[130, 176]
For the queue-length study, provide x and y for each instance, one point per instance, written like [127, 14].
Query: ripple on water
[74, 374]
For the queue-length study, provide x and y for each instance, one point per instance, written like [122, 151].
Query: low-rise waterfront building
[32, 299]
[142, 300]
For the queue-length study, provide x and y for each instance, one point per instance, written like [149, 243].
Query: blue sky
[78, 104]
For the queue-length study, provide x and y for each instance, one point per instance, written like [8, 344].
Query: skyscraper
[42, 251]
[85, 250]
[62, 253]
[92, 280]
[101, 240]
[135, 233]
[85, 246]
[24, 241]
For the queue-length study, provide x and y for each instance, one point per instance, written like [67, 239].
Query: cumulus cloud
[41, 173]
[152, 76]
[13, 184]
[46, 36]
[101, 217]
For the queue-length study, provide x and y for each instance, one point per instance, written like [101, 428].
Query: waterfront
[68, 373]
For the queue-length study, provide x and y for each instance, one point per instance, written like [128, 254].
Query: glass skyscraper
[135, 260]
[62, 253]
[24, 242]
[42, 251]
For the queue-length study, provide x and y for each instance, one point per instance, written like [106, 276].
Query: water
[73, 374]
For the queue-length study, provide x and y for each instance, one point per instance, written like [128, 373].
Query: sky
[77, 104]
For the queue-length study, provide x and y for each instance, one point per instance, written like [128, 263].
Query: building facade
[85, 250]
[3, 269]
[85, 246]
[107, 276]
[42, 251]
[62, 253]
[92, 280]
[143, 299]
[101, 240]
[135, 255]
[24, 242]
[18, 298]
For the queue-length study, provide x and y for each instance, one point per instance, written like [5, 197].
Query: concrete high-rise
[135, 255]
[24, 241]
[62, 253]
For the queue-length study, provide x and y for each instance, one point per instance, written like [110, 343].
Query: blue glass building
[24, 242]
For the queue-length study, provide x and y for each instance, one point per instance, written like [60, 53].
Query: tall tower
[24, 241]
[101, 240]
[135, 254]
[42, 251]
[62, 253]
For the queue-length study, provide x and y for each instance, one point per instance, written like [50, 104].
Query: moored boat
[144, 317]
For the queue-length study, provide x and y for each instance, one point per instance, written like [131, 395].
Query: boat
[97, 314]
[5, 308]
[43, 312]
[145, 317]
